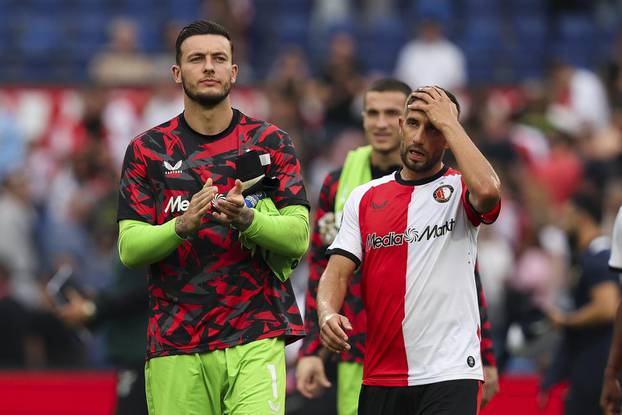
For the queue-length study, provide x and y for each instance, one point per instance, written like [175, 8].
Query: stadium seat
[183, 10]
[294, 28]
[575, 40]
[40, 36]
[380, 44]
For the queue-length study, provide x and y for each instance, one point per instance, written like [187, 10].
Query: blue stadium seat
[185, 11]
[381, 43]
[300, 7]
[41, 36]
[530, 33]
[482, 34]
[482, 8]
[441, 10]
[49, 7]
[293, 28]
[576, 27]
[575, 40]
[320, 41]
[527, 7]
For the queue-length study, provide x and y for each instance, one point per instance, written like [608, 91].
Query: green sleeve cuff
[283, 232]
[141, 243]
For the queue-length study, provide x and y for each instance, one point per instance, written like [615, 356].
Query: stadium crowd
[61, 149]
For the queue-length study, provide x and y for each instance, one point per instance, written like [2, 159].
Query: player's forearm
[311, 342]
[331, 293]
[479, 176]
[614, 364]
[141, 243]
[286, 234]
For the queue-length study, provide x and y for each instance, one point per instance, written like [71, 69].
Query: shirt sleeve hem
[344, 253]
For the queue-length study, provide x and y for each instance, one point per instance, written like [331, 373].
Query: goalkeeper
[221, 307]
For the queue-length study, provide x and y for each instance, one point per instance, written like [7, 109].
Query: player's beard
[423, 166]
[206, 100]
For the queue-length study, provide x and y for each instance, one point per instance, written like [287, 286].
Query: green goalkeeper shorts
[349, 381]
[243, 380]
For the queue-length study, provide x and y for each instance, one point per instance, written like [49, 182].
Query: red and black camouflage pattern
[353, 304]
[210, 293]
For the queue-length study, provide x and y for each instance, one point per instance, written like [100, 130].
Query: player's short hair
[200, 27]
[412, 98]
[390, 85]
[387, 85]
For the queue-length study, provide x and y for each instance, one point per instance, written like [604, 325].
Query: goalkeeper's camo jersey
[210, 293]
[416, 243]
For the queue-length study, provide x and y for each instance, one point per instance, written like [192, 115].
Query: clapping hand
[232, 210]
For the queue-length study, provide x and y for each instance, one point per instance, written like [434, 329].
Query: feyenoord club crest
[443, 193]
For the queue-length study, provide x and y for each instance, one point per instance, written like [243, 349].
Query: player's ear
[234, 73]
[176, 71]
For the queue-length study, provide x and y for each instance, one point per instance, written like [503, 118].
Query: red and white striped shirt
[416, 241]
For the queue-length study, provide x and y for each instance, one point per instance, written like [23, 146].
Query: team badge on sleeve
[443, 193]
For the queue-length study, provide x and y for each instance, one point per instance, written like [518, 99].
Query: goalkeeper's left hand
[232, 210]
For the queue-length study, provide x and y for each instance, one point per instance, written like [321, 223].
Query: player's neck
[384, 161]
[408, 174]
[210, 121]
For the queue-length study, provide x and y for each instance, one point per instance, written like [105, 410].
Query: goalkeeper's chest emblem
[172, 168]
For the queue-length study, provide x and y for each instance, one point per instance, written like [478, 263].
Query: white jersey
[615, 261]
[416, 243]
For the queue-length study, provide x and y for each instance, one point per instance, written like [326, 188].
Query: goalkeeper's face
[206, 70]
[381, 117]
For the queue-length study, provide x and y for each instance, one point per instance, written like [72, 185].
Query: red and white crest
[443, 193]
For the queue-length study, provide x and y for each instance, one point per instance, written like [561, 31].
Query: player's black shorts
[454, 397]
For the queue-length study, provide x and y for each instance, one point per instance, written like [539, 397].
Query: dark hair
[390, 85]
[200, 27]
[451, 96]
[589, 203]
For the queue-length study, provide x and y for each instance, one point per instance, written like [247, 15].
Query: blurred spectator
[17, 226]
[80, 207]
[561, 172]
[379, 9]
[494, 142]
[431, 59]
[290, 101]
[12, 144]
[290, 72]
[342, 78]
[582, 93]
[237, 16]
[122, 63]
[613, 74]
[14, 325]
[122, 311]
[329, 13]
[588, 327]
[163, 61]
[165, 103]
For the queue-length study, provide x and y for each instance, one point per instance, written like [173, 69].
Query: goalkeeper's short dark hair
[200, 27]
